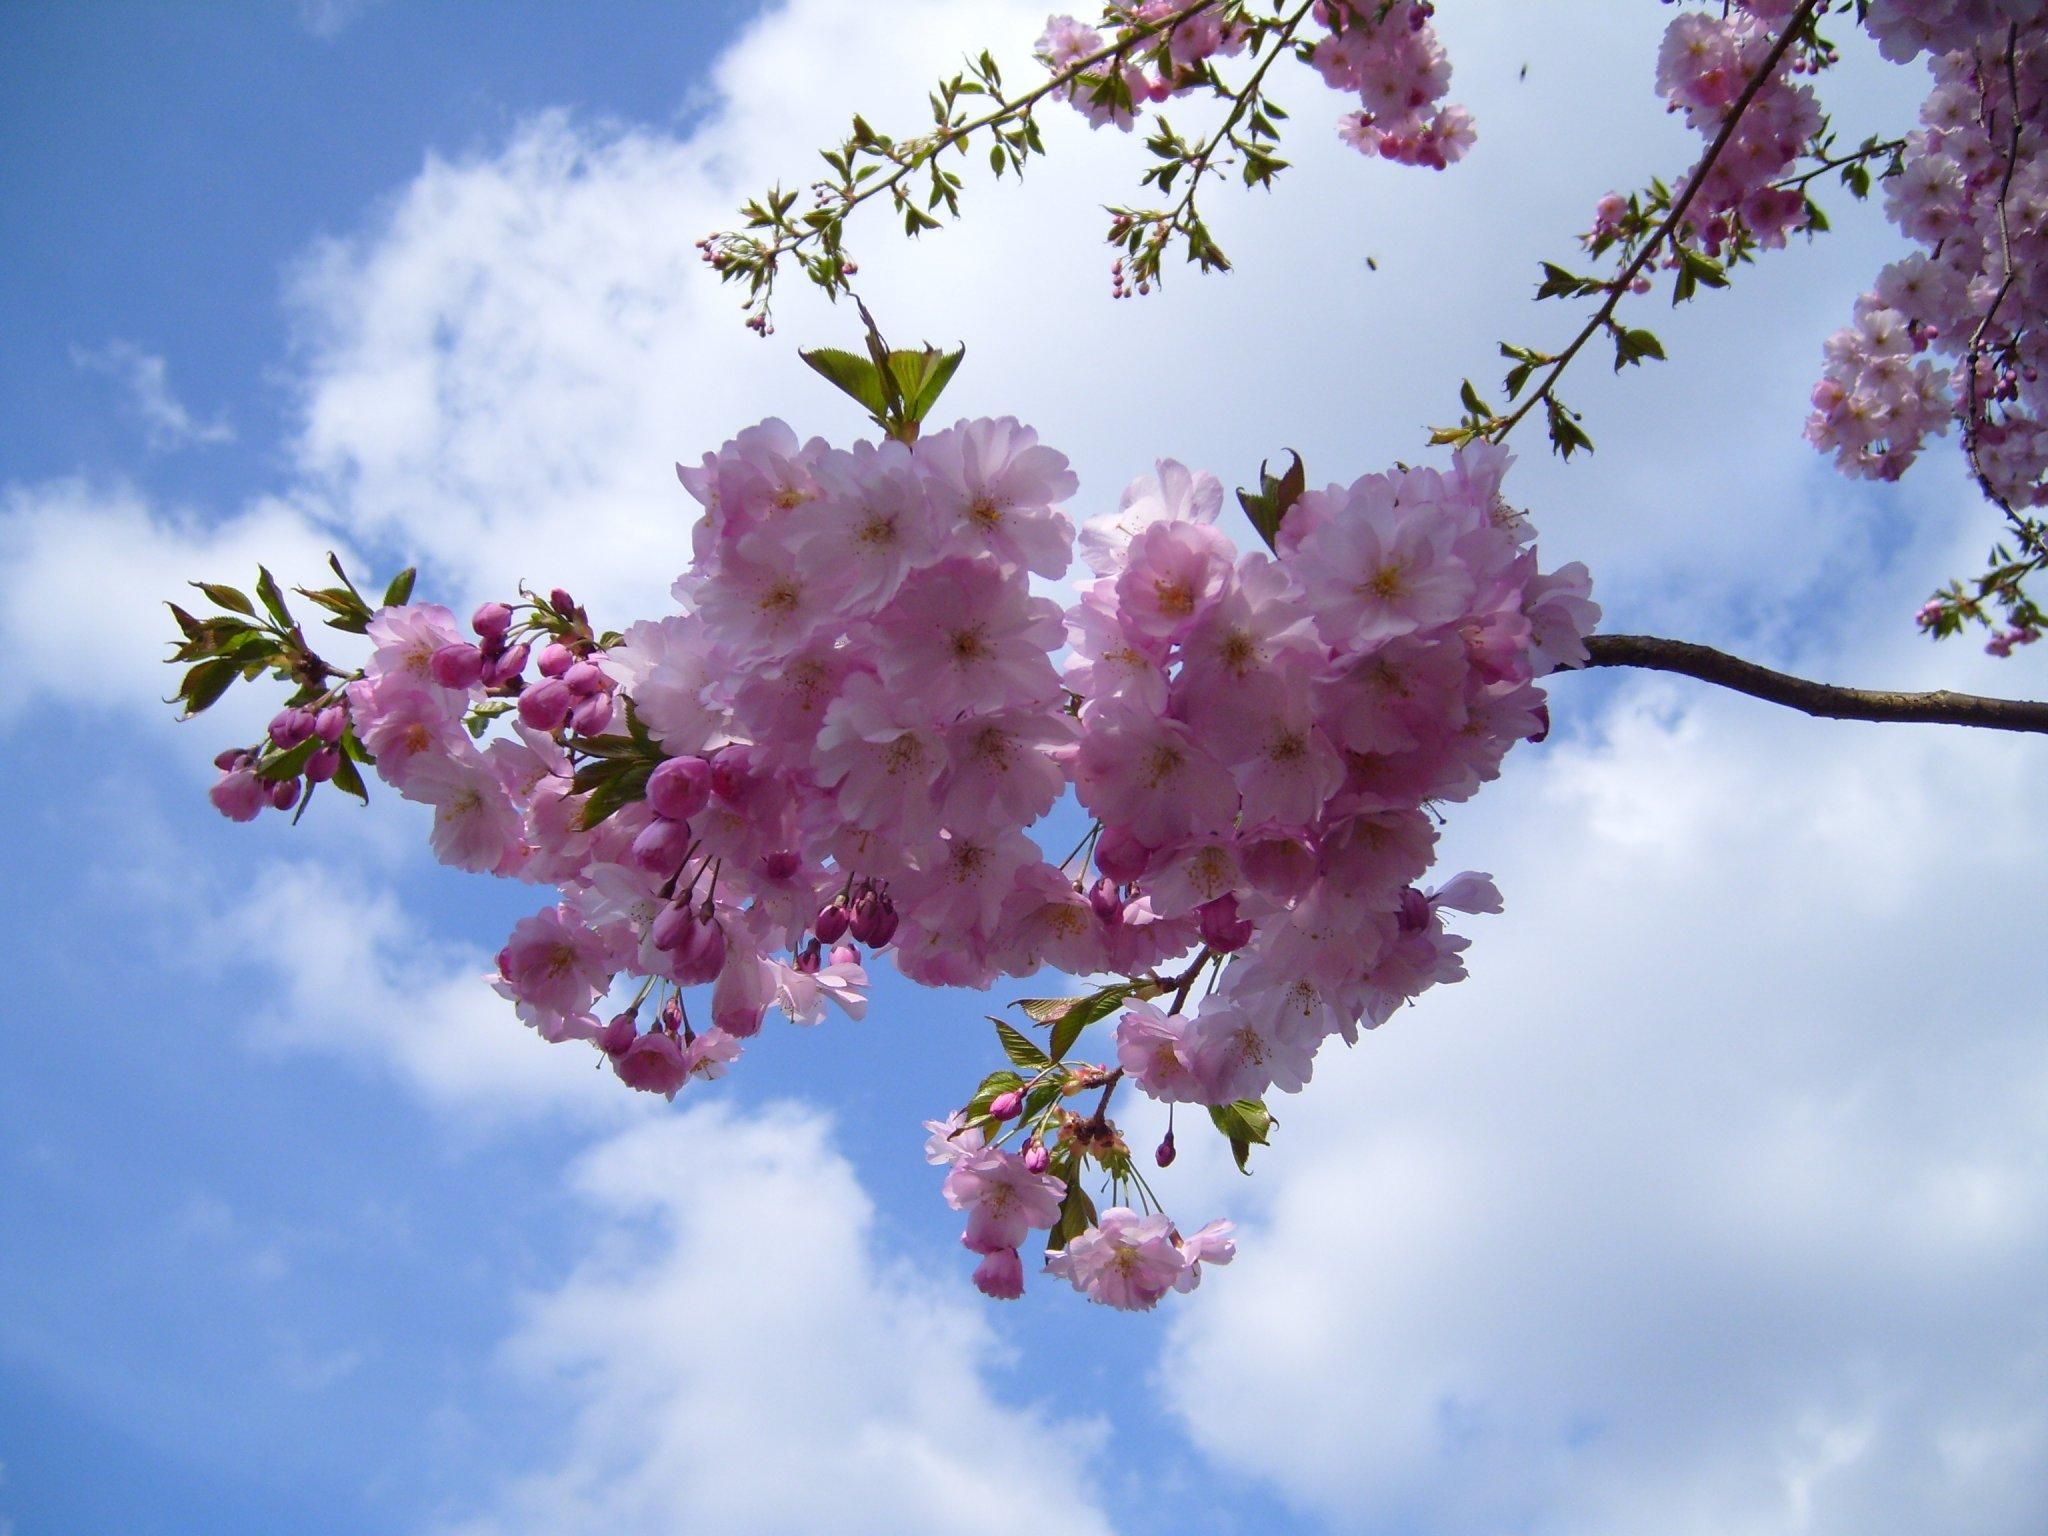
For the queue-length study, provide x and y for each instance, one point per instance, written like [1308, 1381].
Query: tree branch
[1823, 700]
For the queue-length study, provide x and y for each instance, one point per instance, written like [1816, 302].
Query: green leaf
[1019, 1047]
[273, 598]
[399, 593]
[226, 597]
[1068, 1016]
[349, 779]
[1247, 1123]
[922, 376]
[1077, 1215]
[205, 683]
[850, 373]
[1268, 507]
[289, 765]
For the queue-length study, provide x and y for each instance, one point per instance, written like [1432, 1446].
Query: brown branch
[1826, 701]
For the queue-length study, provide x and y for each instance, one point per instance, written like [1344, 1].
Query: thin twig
[1671, 222]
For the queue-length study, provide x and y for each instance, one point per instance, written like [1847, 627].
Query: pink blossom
[1125, 1260]
[1157, 1053]
[1003, 1199]
[653, 1063]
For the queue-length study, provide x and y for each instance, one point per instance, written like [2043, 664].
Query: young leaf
[399, 593]
[1019, 1047]
[273, 598]
[205, 683]
[851, 374]
[1247, 1123]
[226, 597]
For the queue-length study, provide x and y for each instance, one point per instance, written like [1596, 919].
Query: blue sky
[1714, 1199]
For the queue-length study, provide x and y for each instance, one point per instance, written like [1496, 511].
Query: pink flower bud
[546, 705]
[1000, 1276]
[322, 765]
[507, 667]
[331, 724]
[619, 1034]
[1121, 856]
[679, 788]
[661, 847]
[806, 960]
[587, 678]
[289, 727]
[1222, 929]
[830, 923]
[1105, 901]
[492, 620]
[845, 954]
[1007, 1106]
[590, 716]
[701, 955]
[1036, 1158]
[456, 666]
[561, 601]
[1164, 1155]
[285, 795]
[231, 759]
[555, 659]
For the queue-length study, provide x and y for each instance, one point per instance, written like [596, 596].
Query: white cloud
[1712, 1203]
[735, 1355]
[349, 973]
[1715, 1200]
[89, 569]
[166, 423]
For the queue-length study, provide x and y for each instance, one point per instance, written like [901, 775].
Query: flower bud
[1164, 1155]
[555, 659]
[285, 794]
[619, 1034]
[845, 954]
[661, 848]
[805, 961]
[1036, 1158]
[679, 788]
[506, 667]
[830, 923]
[289, 727]
[587, 678]
[545, 706]
[322, 765]
[561, 601]
[590, 716]
[1007, 1106]
[701, 955]
[1105, 901]
[231, 759]
[456, 666]
[1221, 928]
[331, 724]
[1121, 856]
[491, 620]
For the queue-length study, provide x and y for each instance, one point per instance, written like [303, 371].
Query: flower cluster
[1703, 66]
[840, 742]
[1385, 52]
[1261, 735]
[1956, 331]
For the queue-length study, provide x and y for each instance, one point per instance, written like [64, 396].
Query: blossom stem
[1826, 701]
[1669, 228]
